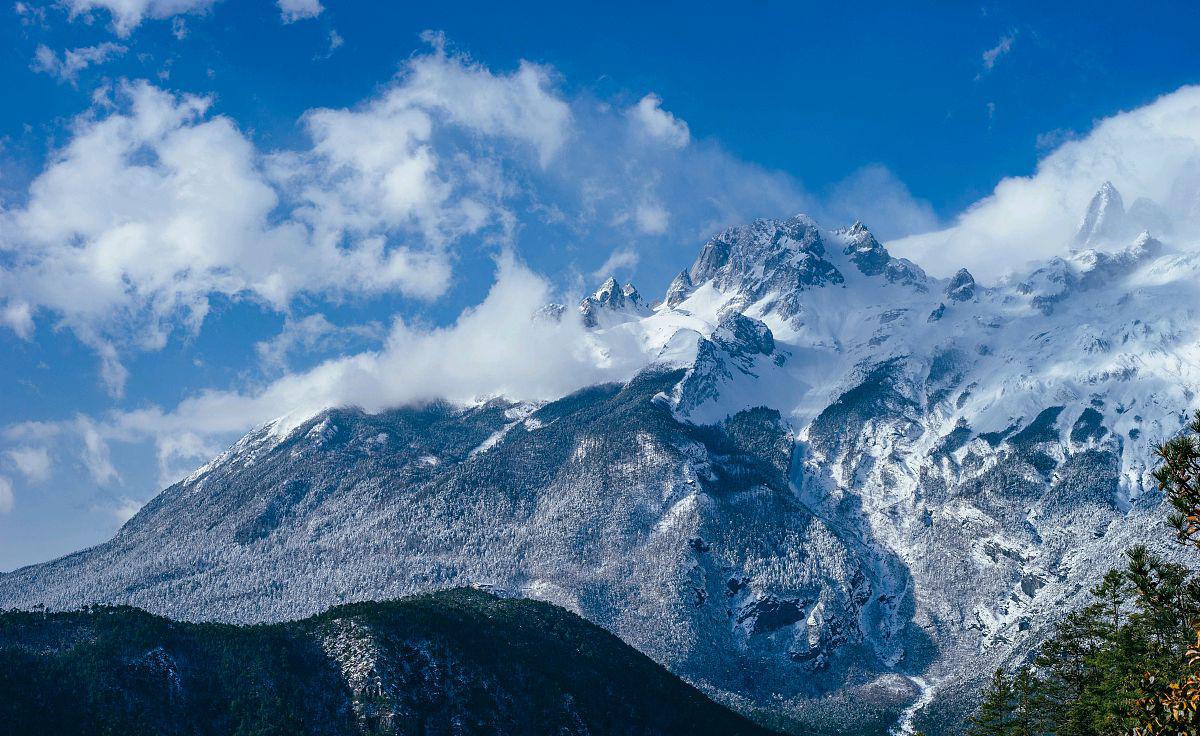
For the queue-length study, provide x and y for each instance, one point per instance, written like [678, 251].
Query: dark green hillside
[455, 662]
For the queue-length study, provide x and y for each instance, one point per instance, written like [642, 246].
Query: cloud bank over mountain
[1151, 155]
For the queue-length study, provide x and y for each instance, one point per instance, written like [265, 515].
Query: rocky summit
[840, 491]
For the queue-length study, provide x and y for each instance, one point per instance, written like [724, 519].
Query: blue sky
[204, 203]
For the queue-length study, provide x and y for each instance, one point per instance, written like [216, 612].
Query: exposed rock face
[767, 257]
[612, 304]
[864, 250]
[680, 289]
[846, 474]
[962, 287]
[1104, 220]
[1107, 223]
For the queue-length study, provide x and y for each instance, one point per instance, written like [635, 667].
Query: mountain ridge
[458, 661]
[839, 482]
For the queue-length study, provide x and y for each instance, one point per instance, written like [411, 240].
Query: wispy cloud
[315, 334]
[294, 10]
[335, 42]
[66, 68]
[6, 495]
[621, 259]
[32, 462]
[993, 55]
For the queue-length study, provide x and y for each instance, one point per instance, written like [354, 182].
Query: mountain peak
[681, 287]
[612, 304]
[1104, 220]
[961, 287]
[608, 291]
[864, 250]
[767, 257]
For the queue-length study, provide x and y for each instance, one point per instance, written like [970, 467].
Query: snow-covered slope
[840, 487]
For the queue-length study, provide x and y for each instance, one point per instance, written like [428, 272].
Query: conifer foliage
[1128, 663]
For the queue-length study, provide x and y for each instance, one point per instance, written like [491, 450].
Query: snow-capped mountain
[612, 304]
[1106, 221]
[840, 491]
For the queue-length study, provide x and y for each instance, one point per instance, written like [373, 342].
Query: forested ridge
[456, 662]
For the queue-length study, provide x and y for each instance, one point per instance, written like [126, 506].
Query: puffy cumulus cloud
[66, 68]
[409, 156]
[294, 10]
[652, 120]
[150, 210]
[6, 495]
[155, 205]
[127, 15]
[1151, 154]
[520, 105]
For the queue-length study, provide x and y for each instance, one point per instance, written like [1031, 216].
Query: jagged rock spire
[681, 287]
[961, 287]
[612, 299]
[1104, 219]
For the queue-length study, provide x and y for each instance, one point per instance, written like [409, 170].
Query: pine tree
[1179, 477]
[1026, 718]
[996, 711]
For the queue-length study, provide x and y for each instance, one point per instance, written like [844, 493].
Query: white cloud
[1151, 152]
[125, 509]
[335, 42]
[127, 15]
[179, 453]
[1002, 47]
[18, 317]
[314, 333]
[294, 10]
[96, 457]
[30, 14]
[652, 218]
[32, 462]
[67, 67]
[494, 348]
[6, 495]
[621, 259]
[521, 105]
[155, 205]
[652, 120]
[876, 196]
